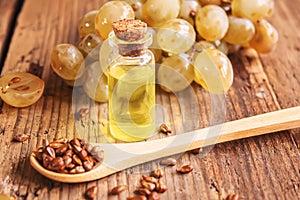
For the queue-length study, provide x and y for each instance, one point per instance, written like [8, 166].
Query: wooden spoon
[120, 156]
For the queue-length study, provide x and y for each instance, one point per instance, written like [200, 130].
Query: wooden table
[264, 167]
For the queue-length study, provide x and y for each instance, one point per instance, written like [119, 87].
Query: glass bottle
[131, 82]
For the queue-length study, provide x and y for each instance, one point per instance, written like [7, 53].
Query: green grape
[157, 12]
[212, 22]
[87, 24]
[213, 70]
[210, 2]
[188, 10]
[137, 6]
[240, 31]
[253, 10]
[176, 36]
[95, 84]
[110, 12]
[66, 61]
[90, 44]
[20, 89]
[175, 73]
[265, 37]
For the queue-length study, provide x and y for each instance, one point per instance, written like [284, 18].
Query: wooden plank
[8, 9]
[283, 72]
[256, 168]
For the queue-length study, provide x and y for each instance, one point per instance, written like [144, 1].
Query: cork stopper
[129, 30]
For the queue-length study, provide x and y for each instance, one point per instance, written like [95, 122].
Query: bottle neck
[131, 50]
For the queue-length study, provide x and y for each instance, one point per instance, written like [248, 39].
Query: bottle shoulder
[145, 58]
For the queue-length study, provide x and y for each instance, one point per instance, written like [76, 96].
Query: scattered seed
[46, 160]
[158, 173]
[165, 128]
[21, 137]
[83, 112]
[69, 153]
[92, 192]
[83, 155]
[148, 185]
[55, 145]
[71, 166]
[168, 162]
[50, 151]
[150, 179]
[57, 164]
[160, 187]
[67, 160]
[61, 150]
[88, 165]
[233, 197]
[196, 151]
[77, 160]
[142, 191]
[76, 145]
[184, 169]
[79, 169]
[118, 189]
[75, 142]
[139, 197]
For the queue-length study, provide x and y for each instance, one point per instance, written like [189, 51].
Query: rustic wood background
[264, 167]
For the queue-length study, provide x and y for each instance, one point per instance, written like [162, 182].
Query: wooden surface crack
[9, 19]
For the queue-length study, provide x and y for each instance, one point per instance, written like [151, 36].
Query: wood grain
[8, 9]
[264, 167]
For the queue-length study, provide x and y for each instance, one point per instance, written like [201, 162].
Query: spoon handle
[243, 128]
[131, 154]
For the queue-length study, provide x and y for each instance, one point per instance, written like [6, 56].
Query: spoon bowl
[120, 156]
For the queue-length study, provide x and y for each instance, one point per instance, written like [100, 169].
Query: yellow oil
[131, 93]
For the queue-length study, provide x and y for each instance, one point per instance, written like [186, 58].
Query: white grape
[265, 37]
[176, 36]
[252, 9]
[157, 12]
[110, 12]
[212, 22]
[175, 73]
[213, 70]
[240, 31]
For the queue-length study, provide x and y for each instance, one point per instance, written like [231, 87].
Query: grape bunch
[191, 41]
